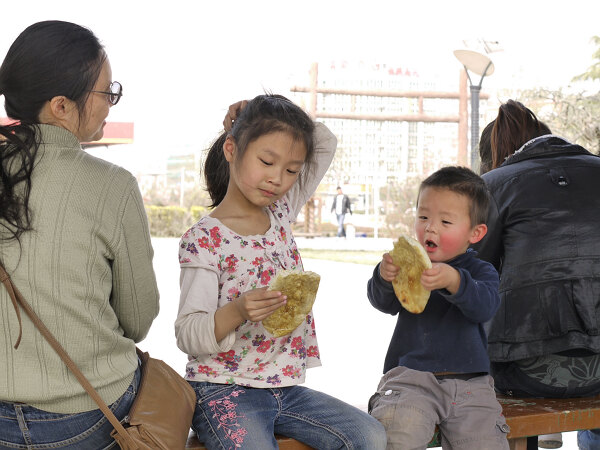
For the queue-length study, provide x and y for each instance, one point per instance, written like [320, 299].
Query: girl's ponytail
[216, 171]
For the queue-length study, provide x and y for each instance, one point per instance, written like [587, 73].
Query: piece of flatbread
[301, 290]
[412, 259]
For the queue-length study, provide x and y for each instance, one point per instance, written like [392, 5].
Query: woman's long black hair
[48, 59]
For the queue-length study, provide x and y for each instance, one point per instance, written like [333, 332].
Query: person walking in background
[341, 207]
[259, 174]
[544, 239]
[74, 239]
[436, 368]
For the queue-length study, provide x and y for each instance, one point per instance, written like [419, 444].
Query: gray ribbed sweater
[86, 269]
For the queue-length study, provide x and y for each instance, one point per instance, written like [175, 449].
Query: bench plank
[536, 416]
[526, 417]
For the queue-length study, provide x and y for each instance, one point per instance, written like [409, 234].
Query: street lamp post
[482, 65]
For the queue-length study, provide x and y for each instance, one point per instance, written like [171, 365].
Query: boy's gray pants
[410, 403]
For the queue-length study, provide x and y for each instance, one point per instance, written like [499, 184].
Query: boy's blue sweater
[448, 336]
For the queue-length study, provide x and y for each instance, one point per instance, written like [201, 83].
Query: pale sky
[183, 62]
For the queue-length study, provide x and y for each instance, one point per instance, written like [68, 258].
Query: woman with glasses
[74, 239]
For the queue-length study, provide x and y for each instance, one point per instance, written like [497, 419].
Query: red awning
[114, 132]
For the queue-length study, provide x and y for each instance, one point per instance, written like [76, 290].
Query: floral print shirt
[217, 266]
[257, 358]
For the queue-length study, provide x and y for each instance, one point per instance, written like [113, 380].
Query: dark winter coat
[345, 205]
[544, 239]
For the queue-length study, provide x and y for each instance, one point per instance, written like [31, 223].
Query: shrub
[197, 212]
[171, 221]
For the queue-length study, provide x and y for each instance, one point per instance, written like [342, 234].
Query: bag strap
[7, 282]
[18, 299]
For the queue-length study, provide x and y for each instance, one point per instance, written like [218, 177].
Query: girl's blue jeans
[232, 416]
[588, 439]
[26, 427]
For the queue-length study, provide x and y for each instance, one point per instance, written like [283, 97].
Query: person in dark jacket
[544, 240]
[439, 356]
[341, 207]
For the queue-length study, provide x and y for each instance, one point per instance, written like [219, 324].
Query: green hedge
[172, 221]
[197, 212]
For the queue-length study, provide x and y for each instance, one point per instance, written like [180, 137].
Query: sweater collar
[53, 135]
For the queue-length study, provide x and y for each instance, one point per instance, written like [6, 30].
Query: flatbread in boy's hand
[412, 260]
[301, 291]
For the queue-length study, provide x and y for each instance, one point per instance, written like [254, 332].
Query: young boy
[436, 367]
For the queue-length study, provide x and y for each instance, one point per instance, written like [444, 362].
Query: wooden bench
[531, 417]
[526, 417]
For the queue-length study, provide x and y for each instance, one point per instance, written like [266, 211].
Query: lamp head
[475, 62]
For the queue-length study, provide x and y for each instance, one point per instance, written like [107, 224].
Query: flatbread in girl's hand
[301, 290]
[412, 260]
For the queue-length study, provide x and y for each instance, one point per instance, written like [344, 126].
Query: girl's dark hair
[263, 115]
[47, 59]
[463, 181]
[514, 126]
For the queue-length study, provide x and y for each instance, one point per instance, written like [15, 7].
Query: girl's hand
[387, 269]
[257, 304]
[232, 113]
[441, 276]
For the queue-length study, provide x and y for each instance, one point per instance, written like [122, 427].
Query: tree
[593, 72]
[572, 116]
[401, 206]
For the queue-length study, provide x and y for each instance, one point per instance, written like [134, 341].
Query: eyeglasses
[114, 94]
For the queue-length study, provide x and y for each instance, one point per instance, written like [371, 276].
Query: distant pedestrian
[341, 206]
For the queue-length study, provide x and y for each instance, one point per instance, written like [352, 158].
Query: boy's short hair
[465, 182]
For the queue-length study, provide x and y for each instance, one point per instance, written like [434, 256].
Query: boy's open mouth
[430, 244]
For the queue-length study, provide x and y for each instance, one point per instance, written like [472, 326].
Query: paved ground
[353, 336]
[334, 243]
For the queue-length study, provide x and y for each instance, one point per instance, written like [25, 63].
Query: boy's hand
[441, 276]
[257, 304]
[387, 269]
